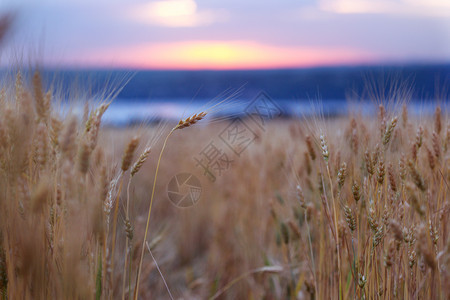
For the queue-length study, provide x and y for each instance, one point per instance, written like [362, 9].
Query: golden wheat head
[190, 121]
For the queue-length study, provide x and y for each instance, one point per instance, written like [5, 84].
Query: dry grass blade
[266, 269]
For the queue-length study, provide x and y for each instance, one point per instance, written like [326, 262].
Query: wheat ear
[190, 121]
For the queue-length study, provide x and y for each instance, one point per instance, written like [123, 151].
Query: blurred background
[179, 52]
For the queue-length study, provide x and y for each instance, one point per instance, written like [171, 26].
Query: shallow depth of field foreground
[354, 207]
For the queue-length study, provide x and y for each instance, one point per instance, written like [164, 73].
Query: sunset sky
[229, 34]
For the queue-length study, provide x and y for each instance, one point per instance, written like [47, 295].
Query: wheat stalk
[181, 124]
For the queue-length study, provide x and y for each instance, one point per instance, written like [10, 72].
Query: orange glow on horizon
[221, 55]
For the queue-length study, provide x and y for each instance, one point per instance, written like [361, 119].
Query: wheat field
[354, 207]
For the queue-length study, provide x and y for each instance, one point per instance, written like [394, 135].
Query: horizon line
[70, 67]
